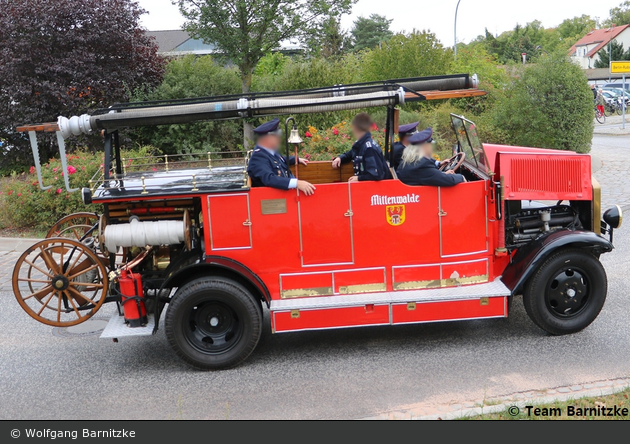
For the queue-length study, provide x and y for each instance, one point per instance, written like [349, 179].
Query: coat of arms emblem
[395, 215]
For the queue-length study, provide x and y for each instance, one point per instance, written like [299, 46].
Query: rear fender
[195, 266]
[527, 259]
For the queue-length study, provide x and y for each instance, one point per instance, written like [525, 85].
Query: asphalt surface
[337, 374]
[351, 373]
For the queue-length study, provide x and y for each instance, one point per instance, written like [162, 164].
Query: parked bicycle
[600, 115]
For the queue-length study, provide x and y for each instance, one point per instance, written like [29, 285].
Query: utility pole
[455, 46]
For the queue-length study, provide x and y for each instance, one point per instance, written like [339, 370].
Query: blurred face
[270, 141]
[357, 133]
[427, 149]
[405, 140]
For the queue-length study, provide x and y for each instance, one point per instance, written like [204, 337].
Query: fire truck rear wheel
[213, 323]
[567, 292]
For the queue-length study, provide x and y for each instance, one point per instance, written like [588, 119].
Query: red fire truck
[185, 242]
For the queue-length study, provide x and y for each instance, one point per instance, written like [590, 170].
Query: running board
[388, 308]
[117, 328]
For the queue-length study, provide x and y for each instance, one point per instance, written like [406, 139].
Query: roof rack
[237, 106]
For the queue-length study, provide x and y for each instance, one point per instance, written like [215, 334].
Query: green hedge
[23, 204]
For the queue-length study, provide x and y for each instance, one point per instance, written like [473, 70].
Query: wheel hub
[568, 293]
[60, 283]
[213, 328]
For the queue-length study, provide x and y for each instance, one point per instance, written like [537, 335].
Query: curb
[16, 244]
[432, 412]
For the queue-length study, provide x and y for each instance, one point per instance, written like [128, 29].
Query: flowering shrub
[328, 143]
[23, 204]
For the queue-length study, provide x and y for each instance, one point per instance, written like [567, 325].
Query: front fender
[527, 259]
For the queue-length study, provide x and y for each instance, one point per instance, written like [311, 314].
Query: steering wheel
[454, 162]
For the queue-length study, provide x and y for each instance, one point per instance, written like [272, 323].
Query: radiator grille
[546, 175]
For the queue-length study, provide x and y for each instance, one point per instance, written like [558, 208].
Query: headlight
[86, 195]
[614, 217]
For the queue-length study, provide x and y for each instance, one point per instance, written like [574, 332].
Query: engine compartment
[525, 221]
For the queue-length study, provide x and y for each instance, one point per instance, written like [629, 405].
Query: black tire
[567, 292]
[609, 110]
[213, 323]
[601, 118]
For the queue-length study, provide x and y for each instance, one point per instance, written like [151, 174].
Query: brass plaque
[306, 292]
[416, 285]
[273, 206]
[363, 288]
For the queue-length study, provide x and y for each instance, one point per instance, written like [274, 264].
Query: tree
[616, 49]
[368, 32]
[413, 55]
[328, 40]
[68, 56]
[245, 30]
[186, 77]
[550, 105]
[619, 15]
[576, 27]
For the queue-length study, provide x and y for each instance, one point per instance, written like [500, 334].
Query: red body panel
[546, 176]
[344, 236]
[448, 311]
[330, 318]
[366, 238]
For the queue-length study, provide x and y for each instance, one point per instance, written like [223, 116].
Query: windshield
[469, 143]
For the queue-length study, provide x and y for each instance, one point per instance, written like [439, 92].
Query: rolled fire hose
[140, 234]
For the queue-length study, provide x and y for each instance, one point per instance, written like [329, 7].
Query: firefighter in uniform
[268, 168]
[366, 155]
[404, 133]
[418, 166]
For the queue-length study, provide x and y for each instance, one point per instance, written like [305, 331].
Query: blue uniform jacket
[426, 172]
[367, 159]
[267, 170]
[397, 152]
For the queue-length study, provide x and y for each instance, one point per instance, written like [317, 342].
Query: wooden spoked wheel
[60, 282]
[74, 226]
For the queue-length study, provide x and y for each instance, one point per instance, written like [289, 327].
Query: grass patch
[608, 407]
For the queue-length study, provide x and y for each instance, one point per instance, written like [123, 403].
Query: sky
[438, 16]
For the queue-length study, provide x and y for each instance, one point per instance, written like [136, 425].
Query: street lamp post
[456, 8]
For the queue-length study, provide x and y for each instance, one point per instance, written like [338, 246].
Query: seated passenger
[268, 168]
[365, 155]
[404, 133]
[418, 166]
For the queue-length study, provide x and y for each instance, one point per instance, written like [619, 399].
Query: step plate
[491, 289]
[116, 328]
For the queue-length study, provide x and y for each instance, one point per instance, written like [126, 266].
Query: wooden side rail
[319, 172]
[50, 127]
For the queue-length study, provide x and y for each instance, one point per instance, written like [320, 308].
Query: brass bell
[295, 136]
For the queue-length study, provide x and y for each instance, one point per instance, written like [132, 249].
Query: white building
[584, 52]
[178, 42]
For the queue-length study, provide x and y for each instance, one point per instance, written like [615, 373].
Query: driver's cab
[475, 166]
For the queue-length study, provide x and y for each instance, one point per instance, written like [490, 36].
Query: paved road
[351, 373]
[614, 175]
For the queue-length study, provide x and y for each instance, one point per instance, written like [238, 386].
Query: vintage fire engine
[184, 241]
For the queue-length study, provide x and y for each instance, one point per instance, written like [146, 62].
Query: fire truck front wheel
[213, 323]
[567, 292]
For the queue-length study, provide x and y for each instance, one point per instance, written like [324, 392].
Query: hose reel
[137, 233]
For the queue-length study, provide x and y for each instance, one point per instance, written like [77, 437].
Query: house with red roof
[585, 50]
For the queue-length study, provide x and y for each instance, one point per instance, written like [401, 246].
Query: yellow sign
[396, 215]
[620, 67]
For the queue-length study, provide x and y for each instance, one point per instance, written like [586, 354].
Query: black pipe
[566, 220]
